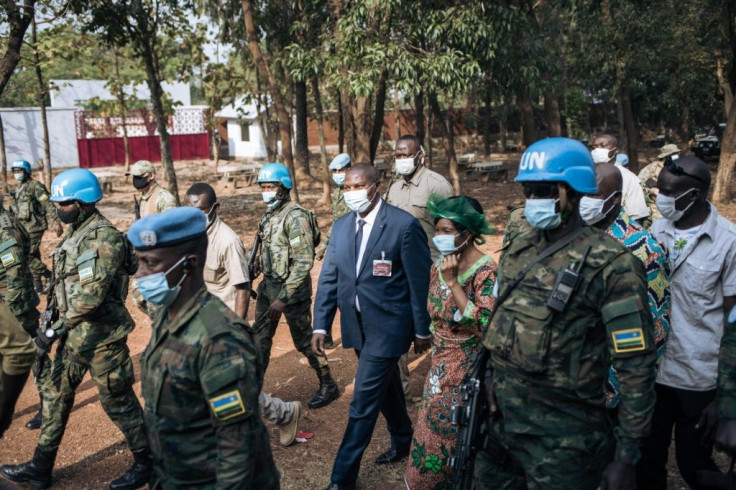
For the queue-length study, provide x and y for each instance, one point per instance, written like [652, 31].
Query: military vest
[68, 263]
[16, 287]
[275, 259]
[27, 209]
[148, 206]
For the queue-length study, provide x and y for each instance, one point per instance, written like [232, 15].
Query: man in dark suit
[376, 271]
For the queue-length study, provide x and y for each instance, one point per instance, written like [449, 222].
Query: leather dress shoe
[393, 456]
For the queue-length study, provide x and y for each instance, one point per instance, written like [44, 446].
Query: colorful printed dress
[456, 337]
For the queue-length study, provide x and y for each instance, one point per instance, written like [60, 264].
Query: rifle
[253, 268]
[48, 317]
[471, 418]
[137, 208]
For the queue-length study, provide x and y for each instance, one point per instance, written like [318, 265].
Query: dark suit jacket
[393, 309]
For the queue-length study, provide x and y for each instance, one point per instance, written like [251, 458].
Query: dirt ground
[93, 453]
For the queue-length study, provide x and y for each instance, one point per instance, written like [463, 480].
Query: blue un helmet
[21, 164]
[340, 161]
[276, 173]
[77, 184]
[559, 160]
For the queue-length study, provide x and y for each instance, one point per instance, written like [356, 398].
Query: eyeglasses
[673, 168]
[542, 190]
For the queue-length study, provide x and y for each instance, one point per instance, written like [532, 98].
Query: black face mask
[68, 217]
[139, 182]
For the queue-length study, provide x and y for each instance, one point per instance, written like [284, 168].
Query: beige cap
[141, 167]
[668, 150]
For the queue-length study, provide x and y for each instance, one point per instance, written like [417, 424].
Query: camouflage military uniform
[18, 313]
[549, 369]
[201, 375]
[92, 267]
[33, 209]
[339, 209]
[647, 175]
[287, 255]
[156, 200]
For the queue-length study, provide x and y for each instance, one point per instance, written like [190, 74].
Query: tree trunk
[419, 117]
[552, 114]
[448, 138]
[631, 133]
[526, 110]
[302, 140]
[361, 117]
[42, 105]
[3, 157]
[120, 94]
[377, 129]
[322, 146]
[723, 188]
[18, 20]
[502, 126]
[340, 125]
[488, 101]
[397, 116]
[348, 124]
[429, 161]
[685, 124]
[723, 85]
[283, 114]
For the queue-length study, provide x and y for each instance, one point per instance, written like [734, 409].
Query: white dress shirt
[370, 220]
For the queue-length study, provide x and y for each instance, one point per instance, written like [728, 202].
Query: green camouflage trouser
[520, 461]
[17, 351]
[38, 268]
[111, 369]
[298, 315]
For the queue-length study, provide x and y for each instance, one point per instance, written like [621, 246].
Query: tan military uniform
[156, 200]
[412, 195]
[227, 262]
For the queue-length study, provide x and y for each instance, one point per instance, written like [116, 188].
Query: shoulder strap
[96, 226]
[548, 251]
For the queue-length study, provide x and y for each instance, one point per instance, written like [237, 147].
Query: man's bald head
[609, 180]
[369, 172]
[605, 140]
[695, 170]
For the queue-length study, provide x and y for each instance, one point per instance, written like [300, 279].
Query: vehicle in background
[708, 145]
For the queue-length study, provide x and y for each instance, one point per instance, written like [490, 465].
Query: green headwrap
[459, 211]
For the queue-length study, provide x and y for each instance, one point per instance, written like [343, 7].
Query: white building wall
[255, 148]
[24, 135]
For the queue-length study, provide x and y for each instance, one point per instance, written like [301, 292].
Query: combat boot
[36, 472]
[326, 393]
[138, 475]
[37, 420]
[12, 388]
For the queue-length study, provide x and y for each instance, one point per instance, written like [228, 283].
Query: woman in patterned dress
[460, 303]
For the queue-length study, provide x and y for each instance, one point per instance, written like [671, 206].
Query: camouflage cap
[141, 167]
[668, 150]
[172, 227]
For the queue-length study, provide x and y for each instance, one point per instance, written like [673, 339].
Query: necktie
[359, 238]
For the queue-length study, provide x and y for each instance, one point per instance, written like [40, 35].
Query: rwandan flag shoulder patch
[228, 405]
[8, 259]
[631, 340]
[86, 275]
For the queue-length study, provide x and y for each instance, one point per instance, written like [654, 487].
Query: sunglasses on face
[673, 168]
[544, 190]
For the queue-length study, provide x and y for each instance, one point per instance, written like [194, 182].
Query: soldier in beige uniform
[153, 199]
[226, 276]
[410, 193]
[649, 175]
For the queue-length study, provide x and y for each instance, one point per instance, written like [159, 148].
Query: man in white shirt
[696, 385]
[605, 149]
[226, 276]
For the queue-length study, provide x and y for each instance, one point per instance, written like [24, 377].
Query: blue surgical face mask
[542, 213]
[446, 243]
[339, 179]
[155, 288]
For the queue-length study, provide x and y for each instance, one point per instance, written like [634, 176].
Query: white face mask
[404, 166]
[358, 200]
[591, 209]
[667, 206]
[600, 155]
[19, 176]
[268, 196]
